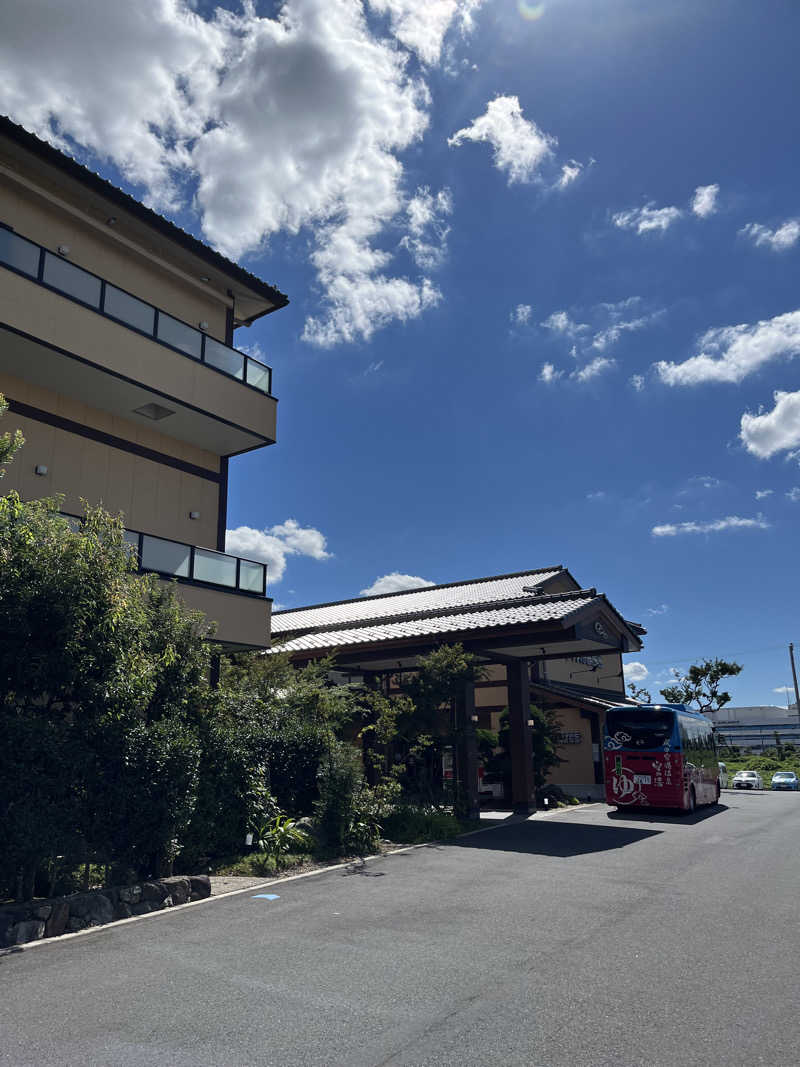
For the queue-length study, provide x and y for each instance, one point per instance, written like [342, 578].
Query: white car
[747, 780]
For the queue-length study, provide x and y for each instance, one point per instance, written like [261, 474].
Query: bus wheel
[692, 805]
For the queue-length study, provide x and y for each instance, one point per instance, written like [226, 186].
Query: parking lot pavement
[584, 938]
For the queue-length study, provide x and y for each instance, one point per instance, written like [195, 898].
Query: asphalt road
[577, 939]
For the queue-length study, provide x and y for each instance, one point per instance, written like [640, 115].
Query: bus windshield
[636, 729]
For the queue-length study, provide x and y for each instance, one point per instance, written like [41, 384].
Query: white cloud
[635, 672]
[261, 124]
[731, 522]
[422, 27]
[793, 495]
[604, 338]
[426, 239]
[779, 240]
[703, 481]
[662, 609]
[520, 147]
[647, 219]
[560, 322]
[731, 353]
[395, 583]
[762, 493]
[274, 544]
[783, 689]
[549, 374]
[593, 369]
[596, 494]
[704, 201]
[778, 430]
[521, 315]
[569, 172]
[637, 381]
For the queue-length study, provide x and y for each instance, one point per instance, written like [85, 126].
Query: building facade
[118, 362]
[757, 727]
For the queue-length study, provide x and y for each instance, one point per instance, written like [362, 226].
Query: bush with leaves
[346, 813]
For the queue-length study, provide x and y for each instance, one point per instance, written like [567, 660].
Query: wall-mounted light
[203, 324]
[194, 514]
[530, 722]
[156, 412]
[473, 718]
[63, 250]
[204, 278]
[40, 469]
[111, 220]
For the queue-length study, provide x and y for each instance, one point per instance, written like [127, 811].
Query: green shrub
[412, 825]
[346, 814]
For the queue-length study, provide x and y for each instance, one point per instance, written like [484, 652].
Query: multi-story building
[117, 359]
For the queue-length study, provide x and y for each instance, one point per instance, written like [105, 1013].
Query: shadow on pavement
[554, 838]
[668, 815]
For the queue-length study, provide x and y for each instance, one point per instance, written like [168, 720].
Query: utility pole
[794, 676]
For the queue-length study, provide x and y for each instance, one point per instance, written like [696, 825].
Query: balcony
[206, 580]
[213, 396]
[53, 272]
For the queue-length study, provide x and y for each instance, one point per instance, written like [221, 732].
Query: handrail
[52, 271]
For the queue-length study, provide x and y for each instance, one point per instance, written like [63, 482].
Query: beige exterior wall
[94, 246]
[602, 672]
[579, 762]
[61, 322]
[240, 619]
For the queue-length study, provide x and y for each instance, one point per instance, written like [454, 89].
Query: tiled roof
[601, 698]
[480, 591]
[524, 610]
[105, 188]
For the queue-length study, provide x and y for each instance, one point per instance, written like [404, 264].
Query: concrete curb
[510, 821]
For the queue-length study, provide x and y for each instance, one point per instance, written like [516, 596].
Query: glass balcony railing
[54, 272]
[199, 566]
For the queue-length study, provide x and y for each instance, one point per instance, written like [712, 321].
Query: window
[128, 309]
[71, 280]
[251, 576]
[179, 335]
[214, 567]
[168, 557]
[224, 358]
[18, 253]
[258, 375]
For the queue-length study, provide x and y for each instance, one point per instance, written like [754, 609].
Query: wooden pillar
[467, 755]
[523, 791]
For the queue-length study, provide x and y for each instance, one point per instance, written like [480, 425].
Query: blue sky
[542, 264]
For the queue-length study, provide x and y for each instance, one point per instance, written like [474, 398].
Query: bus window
[635, 731]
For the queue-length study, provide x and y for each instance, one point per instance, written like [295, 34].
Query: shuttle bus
[660, 756]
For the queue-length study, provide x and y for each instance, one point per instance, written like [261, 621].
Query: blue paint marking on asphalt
[266, 896]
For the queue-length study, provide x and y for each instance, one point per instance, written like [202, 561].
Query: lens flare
[531, 12]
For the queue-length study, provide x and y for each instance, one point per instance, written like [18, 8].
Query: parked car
[785, 780]
[747, 780]
[723, 776]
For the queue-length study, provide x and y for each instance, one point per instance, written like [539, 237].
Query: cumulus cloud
[549, 374]
[779, 240]
[662, 609]
[426, 239]
[773, 431]
[731, 353]
[793, 495]
[730, 522]
[594, 368]
[273, 544]
[637, 381]
[761, 494]
[636, 672]
[395, 583]
[520, 147]
[422, 27]
[596, 494]
[704, 201]
[783, 689]
[647, 219]
[521, 315]
[560, 322]
[569, 172]
[261, 124]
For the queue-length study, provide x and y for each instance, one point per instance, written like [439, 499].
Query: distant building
[757, 727]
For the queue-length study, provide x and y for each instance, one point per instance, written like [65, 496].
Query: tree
[701, 685]
[639, 693]
[103, 680]
[9, 442]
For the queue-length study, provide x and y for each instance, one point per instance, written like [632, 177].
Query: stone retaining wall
[21, 923]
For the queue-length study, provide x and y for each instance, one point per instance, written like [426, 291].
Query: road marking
[266, 896]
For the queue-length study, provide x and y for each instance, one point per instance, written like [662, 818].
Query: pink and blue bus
[660, 756]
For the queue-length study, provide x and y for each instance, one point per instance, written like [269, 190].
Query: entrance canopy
[531, 615]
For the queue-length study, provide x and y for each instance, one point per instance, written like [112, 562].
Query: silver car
[747, 780]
